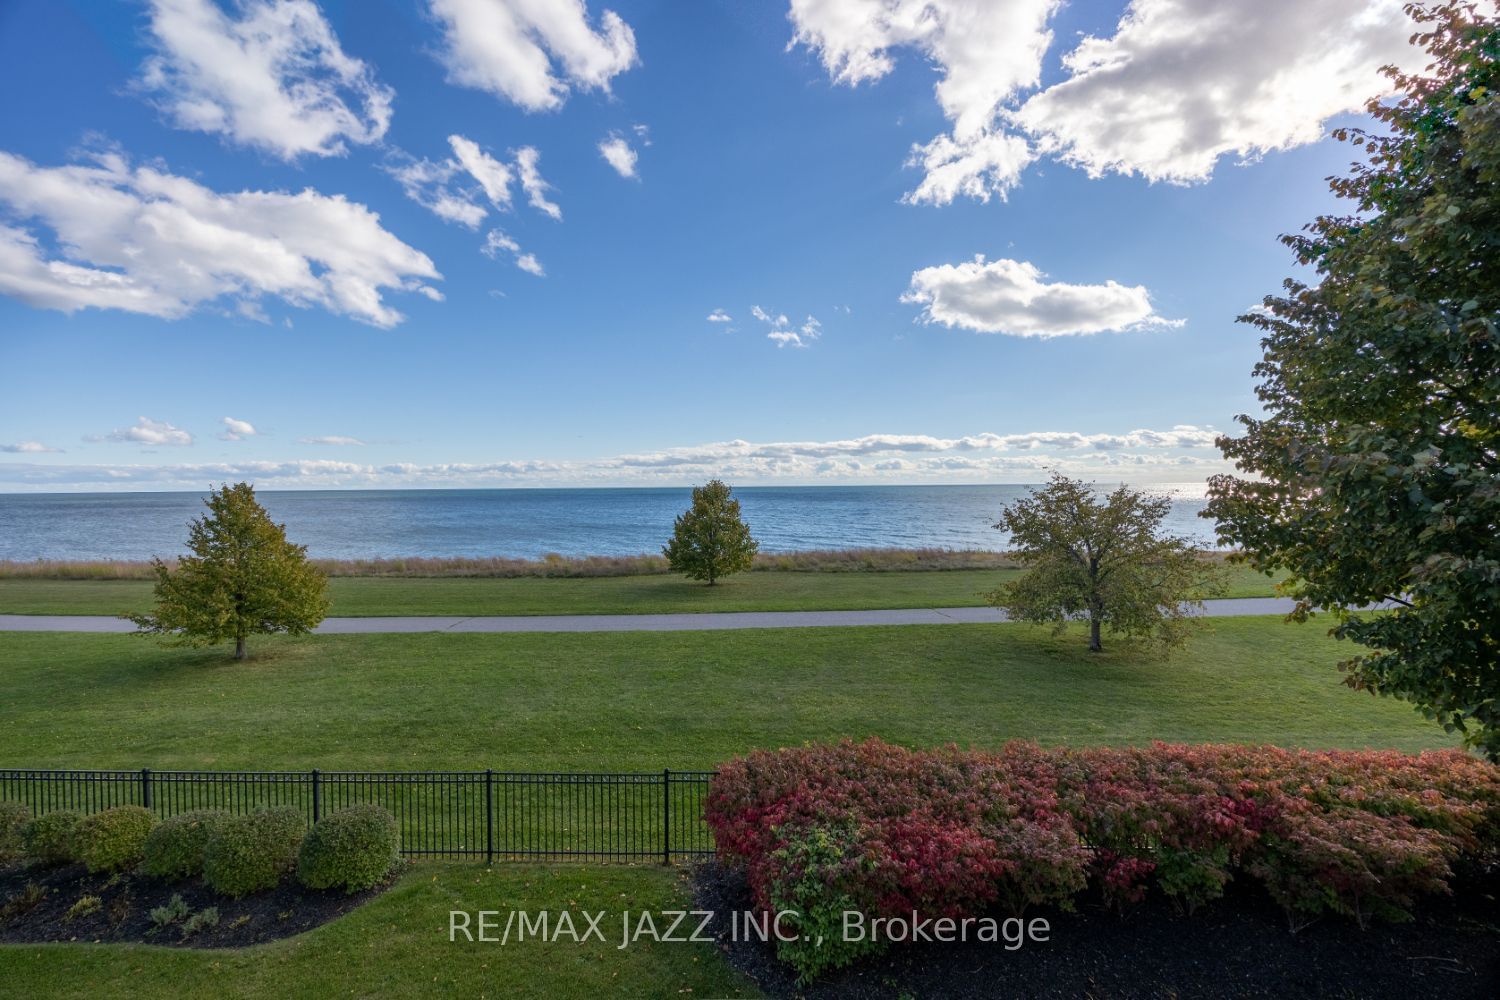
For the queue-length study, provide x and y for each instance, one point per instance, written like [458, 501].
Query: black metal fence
[495, 815]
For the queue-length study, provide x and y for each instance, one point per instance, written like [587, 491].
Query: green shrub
[174, 910]
[174, 849]
[204, 918]
[245, 854]
[50, 837]
[115, 839]
[351, 849]
[13, 819]
[85, 906]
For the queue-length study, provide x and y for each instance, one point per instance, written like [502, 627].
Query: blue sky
[1021, 232]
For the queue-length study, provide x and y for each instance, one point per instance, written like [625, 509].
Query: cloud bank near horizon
[1183, 452]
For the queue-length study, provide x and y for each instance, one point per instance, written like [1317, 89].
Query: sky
[497, 243]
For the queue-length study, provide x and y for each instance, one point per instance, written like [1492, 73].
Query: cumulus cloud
[147, 241]
[1178, 86]
[237, 430]
[536, 189]
[496, 242]
[720, 316]
[618, 154]
[532, 52]
[28, 448]
[1013, 297]
[148, 432]
[492, 176]
[783, 333]
[336, 440]
[1182, 83]
[272, 76]
[984, 52]
[1027, 457]
[454, 188]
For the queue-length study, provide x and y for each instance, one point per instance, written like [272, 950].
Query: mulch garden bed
[126, 901]
[1239, 946]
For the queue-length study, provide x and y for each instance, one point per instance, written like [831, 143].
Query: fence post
[317, 795]
[489, 816]
[666, 816]
[146, 787]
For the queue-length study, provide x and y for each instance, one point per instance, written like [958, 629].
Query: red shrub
[889, 831]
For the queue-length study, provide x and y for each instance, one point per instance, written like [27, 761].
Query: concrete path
[693, 622]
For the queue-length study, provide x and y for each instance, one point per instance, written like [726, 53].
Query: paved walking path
[692, 622]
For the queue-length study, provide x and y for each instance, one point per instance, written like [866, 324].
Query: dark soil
[1238, 947]
[126, 902]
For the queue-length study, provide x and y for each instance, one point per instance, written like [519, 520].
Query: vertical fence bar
[666, 816]
[317, 797]
[146, 787]
[489, 813]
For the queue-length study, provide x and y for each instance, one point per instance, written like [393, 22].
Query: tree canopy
[242, 578]
[710, 539]
[1375, 471]
[1105, 560]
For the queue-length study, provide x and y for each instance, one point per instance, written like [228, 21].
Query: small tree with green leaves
[243, 578]
[710, 539]
[1104, 560]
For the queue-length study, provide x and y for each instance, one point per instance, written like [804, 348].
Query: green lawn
[651, 700]
[398, 946]
[766, 591]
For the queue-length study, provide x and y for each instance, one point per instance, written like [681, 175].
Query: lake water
[528, 523]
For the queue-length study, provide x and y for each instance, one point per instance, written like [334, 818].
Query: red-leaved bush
[949, 833]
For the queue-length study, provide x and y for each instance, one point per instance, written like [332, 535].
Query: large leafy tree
[710, 539]
[242, 578]
[1105, 560]
[1376, 467]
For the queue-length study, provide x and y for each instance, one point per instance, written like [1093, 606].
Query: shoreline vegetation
[553, 565]
[852, 580]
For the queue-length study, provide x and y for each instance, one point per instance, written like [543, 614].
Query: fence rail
[495, 815]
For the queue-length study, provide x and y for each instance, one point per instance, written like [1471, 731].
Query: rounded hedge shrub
[114, 839]
[49, 838]
[14, 816]
[245, 854]
[174, 849]
[351, 849]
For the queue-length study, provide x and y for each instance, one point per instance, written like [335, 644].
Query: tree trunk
[239, 647]
[1094, 645]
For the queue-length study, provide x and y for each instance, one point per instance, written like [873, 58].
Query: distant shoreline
[869, 560]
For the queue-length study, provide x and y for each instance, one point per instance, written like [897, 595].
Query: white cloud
[1183, 83]
[237, 430]
[28, 448]
[337, 440]
[454, 187]
[493, 176]
[618, 154]
[783, 333]
[1179, 85]
[720, 316]
[985, 52]
[531, 182]
[987, 164]
[148, 432]
[1011, 296]
[274, 77]
[1164, 455]
[147, 241]
[497, 242]
[532, 52]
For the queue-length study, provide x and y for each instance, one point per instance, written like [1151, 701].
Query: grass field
[652, 700]
[398, 946]
[364, 596]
